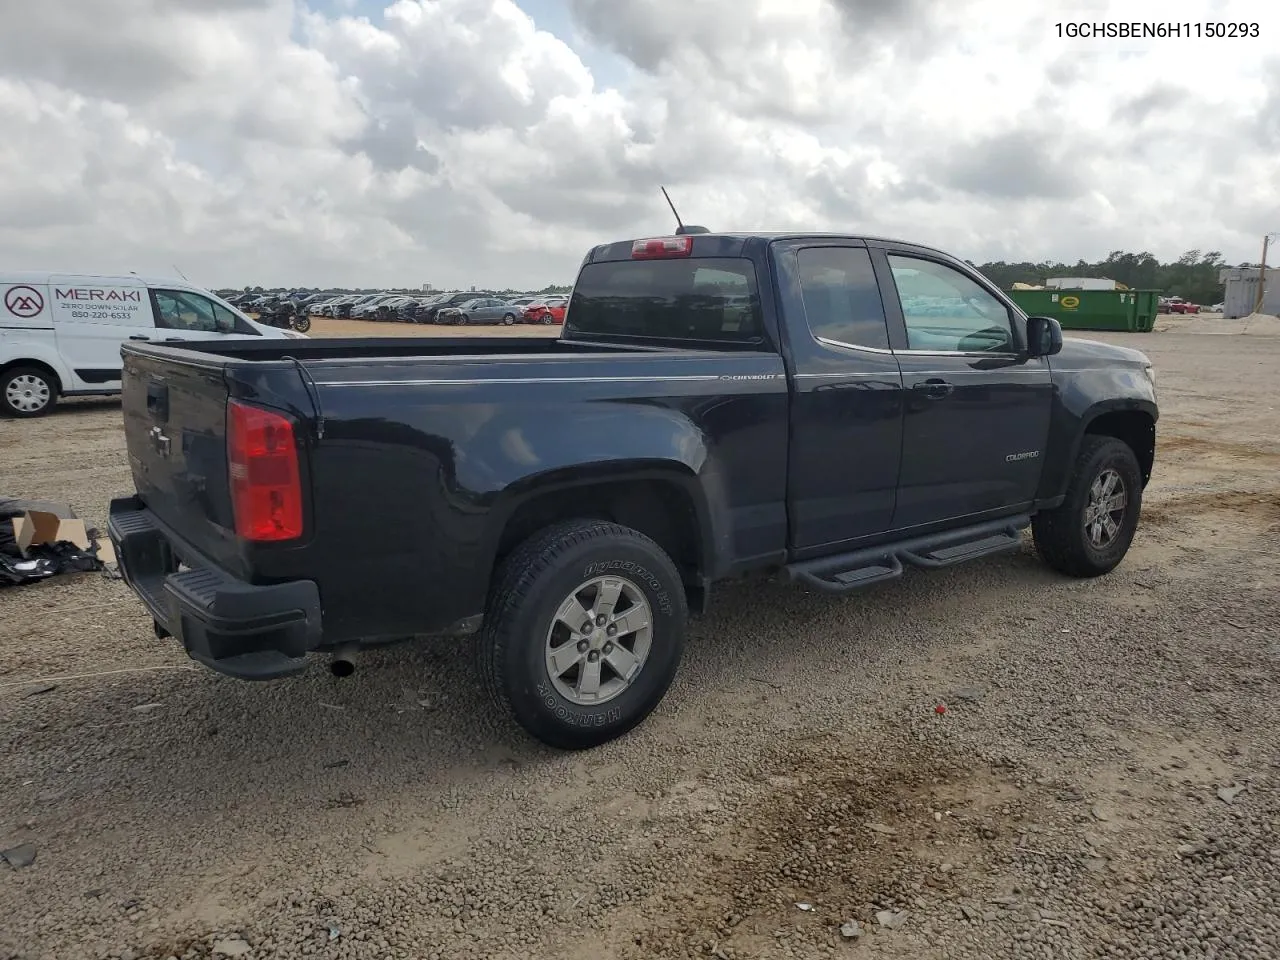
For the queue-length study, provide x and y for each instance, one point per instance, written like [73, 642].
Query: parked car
[389, 309]
[348, 310]
[60, 335]
[1218, 308]
[718, 405]
[316, 307]
[429, 313]
[411, 310]
[1178, 305]
[483, 310]
[548, 310]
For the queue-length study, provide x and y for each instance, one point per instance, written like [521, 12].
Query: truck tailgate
[175, 430]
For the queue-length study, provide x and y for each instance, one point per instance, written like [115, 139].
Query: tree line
[1193, 276]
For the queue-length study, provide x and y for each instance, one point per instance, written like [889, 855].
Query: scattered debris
[23, 855]
[891, 919]
[806, 907]
[231, 947]
[335, 931]
[851, 929]
[334, 764]
[1229, 794]
[41, 688]
[940, 709]
[147, 707]
[39, 540]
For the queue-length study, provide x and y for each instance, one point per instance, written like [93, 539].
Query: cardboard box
[36, 527]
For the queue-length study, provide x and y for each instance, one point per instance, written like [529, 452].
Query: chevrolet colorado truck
[830, 409]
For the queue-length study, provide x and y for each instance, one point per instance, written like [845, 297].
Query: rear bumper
[243, 630]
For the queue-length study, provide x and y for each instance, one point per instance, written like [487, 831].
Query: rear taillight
[662, 248]
[266, 488]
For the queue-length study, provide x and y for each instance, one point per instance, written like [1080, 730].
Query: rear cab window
[841, 298]
[712, 300]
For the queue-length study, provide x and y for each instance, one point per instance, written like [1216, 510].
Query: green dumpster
[1121, 310]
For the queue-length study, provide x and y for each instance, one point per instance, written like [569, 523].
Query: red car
[550, 310]
[1178, 305]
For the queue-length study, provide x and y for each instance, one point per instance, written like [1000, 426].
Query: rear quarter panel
[422, 463]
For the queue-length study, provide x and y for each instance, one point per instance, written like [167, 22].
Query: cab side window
[841, 299]
[182, 310]
[948, 312]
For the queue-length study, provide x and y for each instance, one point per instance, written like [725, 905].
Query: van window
[183, 310]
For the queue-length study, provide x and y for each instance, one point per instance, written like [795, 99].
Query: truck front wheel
[1089, 534]
[583, 632]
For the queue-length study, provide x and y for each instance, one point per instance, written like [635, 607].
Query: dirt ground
[1102, 782]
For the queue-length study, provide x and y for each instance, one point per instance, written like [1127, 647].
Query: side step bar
[846, 572]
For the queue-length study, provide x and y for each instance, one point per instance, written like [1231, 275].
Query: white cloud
[451, 141]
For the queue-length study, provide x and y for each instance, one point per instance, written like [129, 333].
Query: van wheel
[1090, 533]
[27, 392]
[583, 632]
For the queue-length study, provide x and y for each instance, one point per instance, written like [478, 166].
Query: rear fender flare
[697, 490]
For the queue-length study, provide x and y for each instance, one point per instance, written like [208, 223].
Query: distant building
[1240, 296]
[1080, 283]
[426, 288]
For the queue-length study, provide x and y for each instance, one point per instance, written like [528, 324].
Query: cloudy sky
[490, 142]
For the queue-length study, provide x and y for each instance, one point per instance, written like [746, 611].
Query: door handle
[934, 388]
[139, 337]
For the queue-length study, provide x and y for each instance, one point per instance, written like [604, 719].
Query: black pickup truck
[828, 408]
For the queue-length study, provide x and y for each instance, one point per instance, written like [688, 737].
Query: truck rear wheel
[1090, 533]
[27, 392]
[583, 632]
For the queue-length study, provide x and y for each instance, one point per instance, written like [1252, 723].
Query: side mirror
[1044, 336]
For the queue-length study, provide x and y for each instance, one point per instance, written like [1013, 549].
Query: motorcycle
[285, 315]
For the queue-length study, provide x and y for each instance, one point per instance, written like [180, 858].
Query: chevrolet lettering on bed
[827, 408]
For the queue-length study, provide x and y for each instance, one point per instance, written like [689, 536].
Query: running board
[846, 572]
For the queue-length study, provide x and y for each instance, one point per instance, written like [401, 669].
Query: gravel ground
[1079, 797]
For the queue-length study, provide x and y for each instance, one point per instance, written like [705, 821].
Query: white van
[60, 335]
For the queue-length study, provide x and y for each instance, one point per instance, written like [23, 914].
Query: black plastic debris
[40, 559]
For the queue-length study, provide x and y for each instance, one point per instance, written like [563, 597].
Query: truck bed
[398, 348]
[416, 455]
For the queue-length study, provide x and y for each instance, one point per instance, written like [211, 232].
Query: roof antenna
[180, 273]
[681, 229]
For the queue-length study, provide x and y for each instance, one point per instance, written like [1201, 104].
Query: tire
[1060, 534]
[548, 319]
[521, 627]
[508, 319]
[302, 324]
[27, 392]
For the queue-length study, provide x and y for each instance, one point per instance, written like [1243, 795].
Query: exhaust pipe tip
[343, 663]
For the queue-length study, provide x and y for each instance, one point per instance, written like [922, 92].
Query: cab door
[976, 405]
[847, 399]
